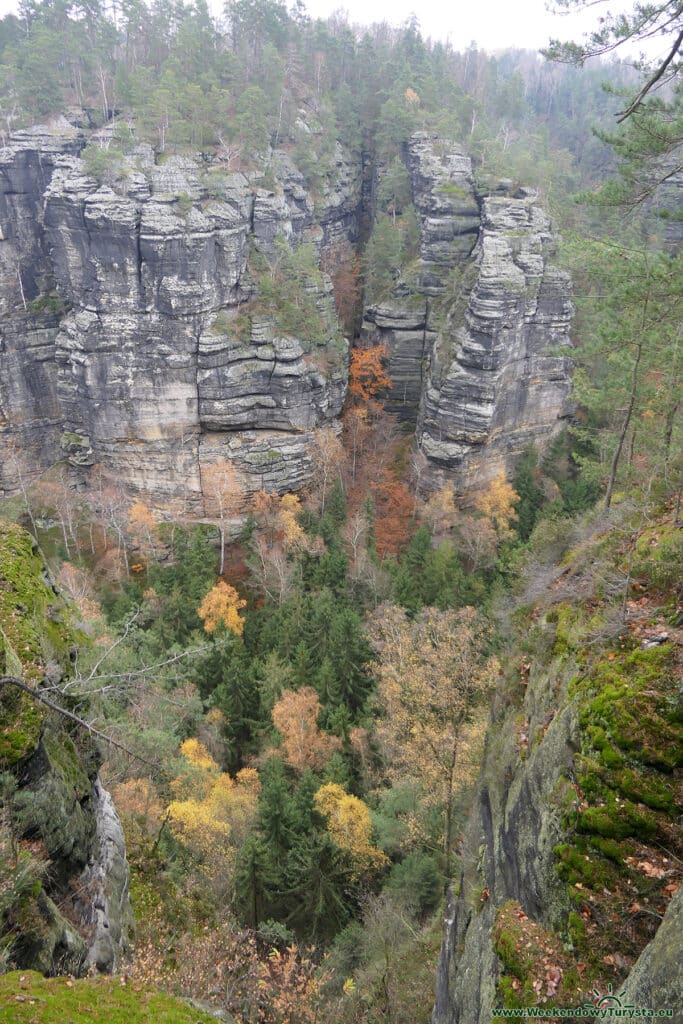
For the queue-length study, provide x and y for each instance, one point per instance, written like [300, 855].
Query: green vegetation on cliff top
[33, 630]
[28, 998]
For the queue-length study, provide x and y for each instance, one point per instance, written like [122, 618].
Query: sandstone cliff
[471, 334]
[155, 318]
[120, 300]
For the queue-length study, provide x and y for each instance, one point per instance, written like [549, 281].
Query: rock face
[124, 349]
[469, 338]
[562, 839]
[106, 912]
[69, 904]
[137, 330]
[508, 852]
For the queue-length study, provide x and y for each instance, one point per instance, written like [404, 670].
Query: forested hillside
[340, 536]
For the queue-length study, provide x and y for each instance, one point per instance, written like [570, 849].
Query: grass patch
[28, 998]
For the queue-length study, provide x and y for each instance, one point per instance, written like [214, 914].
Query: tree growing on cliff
[223, 490]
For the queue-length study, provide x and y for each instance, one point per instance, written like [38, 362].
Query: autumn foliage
[350, 825]
[213, 812]
[222, 604]
[497, 503]
[394, 507]
[295, 716]
[367, 375]
[432, 674]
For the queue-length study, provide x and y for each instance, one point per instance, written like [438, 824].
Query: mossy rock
[45, 939]
[34, 629]
[33, 618]
[55, 801]
[28, 998]
[22, 722]
[629, 704]
[536, 968]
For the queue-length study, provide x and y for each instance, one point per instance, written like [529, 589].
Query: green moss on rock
[28, 998]
[536, 968]
[34, 629]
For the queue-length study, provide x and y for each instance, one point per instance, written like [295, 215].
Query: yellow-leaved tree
[350, 825]
[213, 813]
[497, 503]
[433, 675]
[293, 536]
[222, 604]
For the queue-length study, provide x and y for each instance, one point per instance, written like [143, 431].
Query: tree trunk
[624, 427]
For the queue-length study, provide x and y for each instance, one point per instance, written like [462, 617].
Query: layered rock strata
[119, 339]
[134, 334]
[470, 337]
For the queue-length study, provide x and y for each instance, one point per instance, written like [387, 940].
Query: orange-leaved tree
[222, 604]
[394, 508]
[367, 375]
[295, 716]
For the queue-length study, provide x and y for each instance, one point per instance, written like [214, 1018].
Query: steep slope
[64, 901]
[572, 854]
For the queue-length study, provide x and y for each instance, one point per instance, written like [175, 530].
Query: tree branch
[652, 81]
[37, 695]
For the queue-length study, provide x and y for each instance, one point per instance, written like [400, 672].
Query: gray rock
[130, 372]
[468, 335]
[656, 978]
[106, 914]
[508, 849]
[493, 387]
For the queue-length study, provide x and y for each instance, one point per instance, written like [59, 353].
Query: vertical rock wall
[470, 338]
[143, 366]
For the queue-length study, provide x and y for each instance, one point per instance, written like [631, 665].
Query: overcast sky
[493, 24]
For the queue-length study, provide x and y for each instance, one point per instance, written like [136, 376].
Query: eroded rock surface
[470, 336]
[113, 291]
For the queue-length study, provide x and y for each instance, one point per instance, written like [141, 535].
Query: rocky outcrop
[147, 354]
[106, 911]
[657, 975]
[447, 206]
[494, 387]
[64, 871]
[508, 852]
[134, 332]
[568, 872]
[470, 336]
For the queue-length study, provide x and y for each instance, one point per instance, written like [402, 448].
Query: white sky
[493, 24]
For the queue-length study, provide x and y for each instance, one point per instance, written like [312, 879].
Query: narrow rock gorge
[140, 333]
